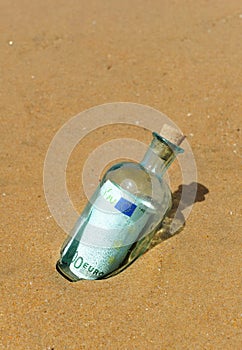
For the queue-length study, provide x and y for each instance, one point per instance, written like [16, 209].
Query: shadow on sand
[175, 216]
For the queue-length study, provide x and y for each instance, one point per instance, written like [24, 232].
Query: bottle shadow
[174, 221]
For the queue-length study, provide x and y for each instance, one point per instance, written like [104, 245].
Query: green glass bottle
[119, 221]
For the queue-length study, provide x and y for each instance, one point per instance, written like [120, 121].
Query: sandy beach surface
[59, 58]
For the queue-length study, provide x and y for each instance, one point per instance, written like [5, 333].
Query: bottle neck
[160, 155]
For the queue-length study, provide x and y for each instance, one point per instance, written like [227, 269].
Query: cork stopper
[172, 134]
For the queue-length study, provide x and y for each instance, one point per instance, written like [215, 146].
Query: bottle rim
[176, 149]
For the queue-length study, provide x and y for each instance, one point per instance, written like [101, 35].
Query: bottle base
[65, 272]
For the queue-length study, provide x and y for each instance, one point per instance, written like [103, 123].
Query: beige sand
[183, 58]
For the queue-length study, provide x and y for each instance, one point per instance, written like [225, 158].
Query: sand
[183, 58]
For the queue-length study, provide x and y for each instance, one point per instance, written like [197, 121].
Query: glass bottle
[119, 221]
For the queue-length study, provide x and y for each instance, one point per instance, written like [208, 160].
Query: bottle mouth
[173, 148]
